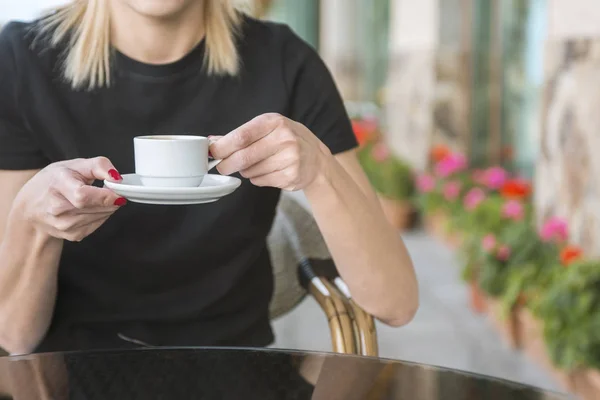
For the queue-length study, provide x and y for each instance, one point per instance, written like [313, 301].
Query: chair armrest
[353, 330]
[366, 330]
[338, 316]
[297, 237]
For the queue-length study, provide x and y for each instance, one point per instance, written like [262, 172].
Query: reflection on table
[223, 373]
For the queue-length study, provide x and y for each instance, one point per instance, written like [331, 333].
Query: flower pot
[454, 240]
[398, 212]
[477, 298]
[532, 343]
[586, 383]
[435, 224]
[508, 326]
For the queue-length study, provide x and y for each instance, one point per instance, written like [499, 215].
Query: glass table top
[226, 373]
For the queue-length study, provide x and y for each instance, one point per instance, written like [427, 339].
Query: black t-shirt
[165, 276]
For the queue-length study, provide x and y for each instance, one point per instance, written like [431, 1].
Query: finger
[275, 163]
[69, 226]
[78, 234]
[92, 219]
[278, 179]
[97, 168]
[245, 135]
[82, 196]
[90, 211]
[245, 158]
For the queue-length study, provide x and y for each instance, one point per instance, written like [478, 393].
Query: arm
[38, 212]
[369, 253]
[272, 150]
[28, 269]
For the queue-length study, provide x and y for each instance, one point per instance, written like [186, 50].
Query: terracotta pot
[454, 240]
[586, 383]
[508, 326]
[435, 224]
[477, 298]
[398, 212]
[532, 343]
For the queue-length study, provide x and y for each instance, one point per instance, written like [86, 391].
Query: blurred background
[478, 127]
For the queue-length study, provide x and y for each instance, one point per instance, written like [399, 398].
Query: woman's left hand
[272, 150]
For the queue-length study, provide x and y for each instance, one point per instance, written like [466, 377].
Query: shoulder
[24, 43]
[12, 44]
[272, 37]
[12, 37]
[20, 36]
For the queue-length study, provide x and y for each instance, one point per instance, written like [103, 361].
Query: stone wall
[568, 169]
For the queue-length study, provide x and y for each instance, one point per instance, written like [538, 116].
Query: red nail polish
[120, 202]
[115, 174]
[210, 154]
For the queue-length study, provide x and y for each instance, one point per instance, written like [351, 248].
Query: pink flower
[495, 177]
[488, 242]
[503, 253]
[451, 190]
[451, 164]
[555, 229]
[425, 183]
[513, 209]
[474, 198]
[380, 152]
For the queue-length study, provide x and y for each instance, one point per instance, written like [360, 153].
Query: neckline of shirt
[192, 60]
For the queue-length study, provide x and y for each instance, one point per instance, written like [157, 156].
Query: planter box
[532, 343]
[508, 326]
[399, 213]
[587, 384]
[478, 299]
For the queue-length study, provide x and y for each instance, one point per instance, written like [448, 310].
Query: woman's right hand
[60, 201]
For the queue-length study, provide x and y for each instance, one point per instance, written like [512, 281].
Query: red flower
[362, 134]
[516, 189]
[439, 152]
[570, 254]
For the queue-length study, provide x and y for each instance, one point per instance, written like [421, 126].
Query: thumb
[97, 168]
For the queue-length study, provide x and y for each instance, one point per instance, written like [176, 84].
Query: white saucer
[213, 187]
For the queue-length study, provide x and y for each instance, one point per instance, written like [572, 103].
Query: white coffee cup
[172, 160]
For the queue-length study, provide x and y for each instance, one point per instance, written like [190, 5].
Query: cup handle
[213, 163]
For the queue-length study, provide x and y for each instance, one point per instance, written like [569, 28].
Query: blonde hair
[86, 24]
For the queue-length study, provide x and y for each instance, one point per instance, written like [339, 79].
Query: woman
[80, 269]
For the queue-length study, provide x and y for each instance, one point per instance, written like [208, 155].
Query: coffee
[161, 137]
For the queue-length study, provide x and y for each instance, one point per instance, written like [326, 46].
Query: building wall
[568, 169]
[338, 45]
[453, 69]
[410, 90]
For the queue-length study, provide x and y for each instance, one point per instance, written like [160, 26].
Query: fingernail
[210, 154]
[120, 202]
[115, 174]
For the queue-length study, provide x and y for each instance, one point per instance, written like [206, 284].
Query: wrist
[323, 177]
[21, 226]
